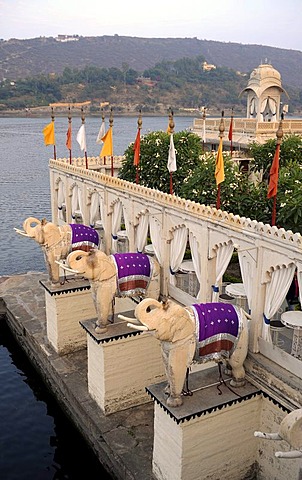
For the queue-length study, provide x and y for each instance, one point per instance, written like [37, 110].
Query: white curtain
[156, 238]
[142, 232]
[103, 213]
[299, 278]
[247, 268]
[276, 291]
[195, 257]
[262, 108]
[81, 203]
[94, 208]
[61, 200]
[177, 250]
[126, 221]
[116, 223]
[253, 107]
[74, 203]
[223, 257]
[272, 105]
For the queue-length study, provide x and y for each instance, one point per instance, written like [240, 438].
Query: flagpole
[231, 132]
[139, 126]
[54, 145]
[85, 152]
[110, 126]
[171, 130]
[69, 125]
[204, 128]
[103, 120]
[279, 135]
[221, 133]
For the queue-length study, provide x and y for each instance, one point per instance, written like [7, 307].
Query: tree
[154, 150]
[290, 150]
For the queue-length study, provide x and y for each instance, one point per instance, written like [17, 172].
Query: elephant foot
[237, 383]
[228, 371]
[174, 401]
[101, 329]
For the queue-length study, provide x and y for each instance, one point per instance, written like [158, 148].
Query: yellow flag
[108, 146]
[219, 170]
[49, 134]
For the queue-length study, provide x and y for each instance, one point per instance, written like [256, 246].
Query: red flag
[274, 174]
[136, 148]
[231, 130]
[68, 137]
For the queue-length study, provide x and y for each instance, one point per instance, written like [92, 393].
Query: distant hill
[26, 58]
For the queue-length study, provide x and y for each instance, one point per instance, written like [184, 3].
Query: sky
[275, 23]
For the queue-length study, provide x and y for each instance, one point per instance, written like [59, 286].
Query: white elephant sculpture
[290, 430]
[120, 274]
[209, 331]
[58, 242]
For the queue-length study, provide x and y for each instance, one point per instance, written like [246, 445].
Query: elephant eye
[79, 257]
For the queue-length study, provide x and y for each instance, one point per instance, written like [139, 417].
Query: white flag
[101, 133]
[172, 156]
[81, 137]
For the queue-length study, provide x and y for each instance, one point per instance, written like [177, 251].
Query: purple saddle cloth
[134, 273]
[83, 237]
[218, 326]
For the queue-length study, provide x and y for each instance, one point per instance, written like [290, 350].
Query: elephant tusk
[290, 454]
[21, 232]
[268, 436]
[128, 319]
[141, 328]
[62, 265]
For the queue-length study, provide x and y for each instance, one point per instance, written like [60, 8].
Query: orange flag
[136, 148]
[68, 137]
[49, 134]
[274, 174]
[108, 146]
[219, 170]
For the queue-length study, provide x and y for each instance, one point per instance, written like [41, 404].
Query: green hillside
[40, 71]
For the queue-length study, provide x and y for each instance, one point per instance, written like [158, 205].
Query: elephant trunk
[29, 230]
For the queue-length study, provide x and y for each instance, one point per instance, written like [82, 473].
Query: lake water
[25, 177]
[35, 437]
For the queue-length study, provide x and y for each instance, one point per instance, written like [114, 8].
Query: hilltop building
[263, 113]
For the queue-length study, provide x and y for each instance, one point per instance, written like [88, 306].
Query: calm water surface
[35, 437]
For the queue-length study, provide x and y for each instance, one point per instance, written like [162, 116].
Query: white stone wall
[217, 445]
[119, 371]
[222, 445]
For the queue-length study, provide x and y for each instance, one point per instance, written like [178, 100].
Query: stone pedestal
[121, 363]
[211, 435]
[66, 305]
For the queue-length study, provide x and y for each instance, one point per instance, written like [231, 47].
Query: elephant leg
[104, 298]
[237, 359]
[52, 268]
[165, 357]
[179, 358]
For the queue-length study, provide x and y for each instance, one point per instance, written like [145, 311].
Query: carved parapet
[195, 209]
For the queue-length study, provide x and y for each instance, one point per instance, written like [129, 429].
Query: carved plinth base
[121, 364]
[66, 305]
[210, 435]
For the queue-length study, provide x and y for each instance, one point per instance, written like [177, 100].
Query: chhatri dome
[264, 90]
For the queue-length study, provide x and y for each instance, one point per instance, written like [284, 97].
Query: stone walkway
[122, 441]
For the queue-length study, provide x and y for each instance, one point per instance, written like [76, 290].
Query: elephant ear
[99, 260]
